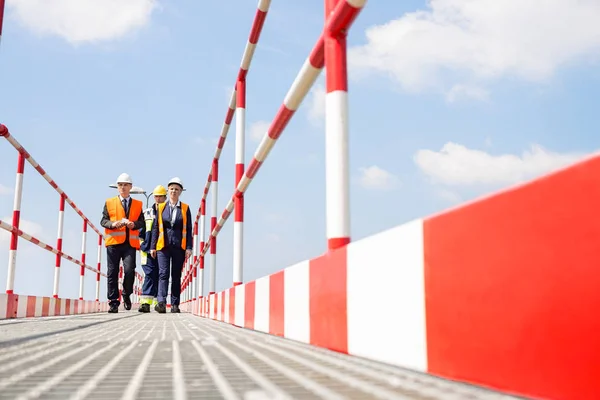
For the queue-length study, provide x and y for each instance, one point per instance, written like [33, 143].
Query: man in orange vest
[122, 218]
[172, 240]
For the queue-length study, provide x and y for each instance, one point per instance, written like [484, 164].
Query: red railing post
[59, 243]
[16, 217]
[238, 224]
[82, 270]
[99, 262]
[336, 134]
[1, 18]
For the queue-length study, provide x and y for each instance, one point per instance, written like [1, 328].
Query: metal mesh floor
[180, 356]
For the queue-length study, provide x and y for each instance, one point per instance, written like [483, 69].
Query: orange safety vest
[160, 243]
[117, 213]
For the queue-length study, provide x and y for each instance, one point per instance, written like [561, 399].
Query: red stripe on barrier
[512, 286]
[327, 297]
[249, 304]
[276, 304]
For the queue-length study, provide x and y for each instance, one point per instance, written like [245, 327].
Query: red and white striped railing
[329, 52]
[193, 276]
[17, 233]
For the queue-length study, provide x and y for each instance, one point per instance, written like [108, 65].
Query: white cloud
[469, 42]
[29, 227]
[5, 190]
[458, 165]
[316, 105]
[376, 178]
[79, 21]
[258, 130]
[459, 91]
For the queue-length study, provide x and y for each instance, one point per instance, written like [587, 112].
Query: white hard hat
[176, 181]
[124, 178]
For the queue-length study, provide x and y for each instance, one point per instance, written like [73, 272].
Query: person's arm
[105, 222]
[140, 222]
[154, 232]
[190, 234]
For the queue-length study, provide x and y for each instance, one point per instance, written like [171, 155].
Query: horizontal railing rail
[16, 232]
[329, 52]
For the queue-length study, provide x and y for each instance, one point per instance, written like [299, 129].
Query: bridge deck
[181, 356]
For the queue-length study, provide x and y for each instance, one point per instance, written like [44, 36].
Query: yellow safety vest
[160, 243]
[149, 218]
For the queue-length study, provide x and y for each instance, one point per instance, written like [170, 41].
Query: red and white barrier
[16, 306]
[501, 292]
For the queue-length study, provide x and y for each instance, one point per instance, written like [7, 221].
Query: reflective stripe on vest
[160, 243]
[117, 213]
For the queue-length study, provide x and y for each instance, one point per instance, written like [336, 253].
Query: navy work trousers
[167, 256]
[150, 285]
[115, 254]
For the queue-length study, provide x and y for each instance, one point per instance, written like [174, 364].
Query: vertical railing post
[213, 224]
[121, 282]
[59, 243]
[99, 262]
[336, 136]
[194, 263]
[82, 270]
[238, 224]
[1, 18]
[201, 247]
[16, 218]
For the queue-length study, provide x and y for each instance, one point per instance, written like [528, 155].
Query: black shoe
[175, 309]
[144, 308]
[113, 309]
[160, 308]
[126, 302]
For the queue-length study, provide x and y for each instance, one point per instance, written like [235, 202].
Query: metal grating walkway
[181, 356]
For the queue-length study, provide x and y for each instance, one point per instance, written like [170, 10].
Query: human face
[174, 193]
[124, 189]
[159, 199]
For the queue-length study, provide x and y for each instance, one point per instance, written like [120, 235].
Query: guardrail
[329, 52]
[17, 233]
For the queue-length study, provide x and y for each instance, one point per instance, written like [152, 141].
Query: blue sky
[447, 104]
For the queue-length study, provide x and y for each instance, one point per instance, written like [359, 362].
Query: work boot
[160, 308]
[175, 308]
[113, 308]
[126, 302]
[144, 308]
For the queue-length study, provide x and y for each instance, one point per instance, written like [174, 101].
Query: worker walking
[122, 218]
[172, 240]
[150, 264]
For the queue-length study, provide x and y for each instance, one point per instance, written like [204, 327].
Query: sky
[449, 100]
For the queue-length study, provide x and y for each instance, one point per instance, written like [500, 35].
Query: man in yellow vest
[150, 264]
[172, 240]
[122, 218]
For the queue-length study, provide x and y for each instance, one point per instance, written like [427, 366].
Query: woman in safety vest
[172, 241]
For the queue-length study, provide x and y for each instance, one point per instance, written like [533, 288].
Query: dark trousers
[150, 285]
[166, 256]
[115, 254]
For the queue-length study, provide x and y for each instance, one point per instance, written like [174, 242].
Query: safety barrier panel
[9, 303]
[501, 292]
[329, 52]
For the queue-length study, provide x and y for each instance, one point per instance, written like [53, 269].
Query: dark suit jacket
[173, 232]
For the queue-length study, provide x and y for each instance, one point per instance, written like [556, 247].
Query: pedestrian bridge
[180, 356]
[491, 299]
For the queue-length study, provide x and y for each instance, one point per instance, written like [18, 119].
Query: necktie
[124, 201]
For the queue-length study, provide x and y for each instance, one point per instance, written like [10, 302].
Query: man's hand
[153, 253]
[130, 225]
[188, 254]
[117, 224]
